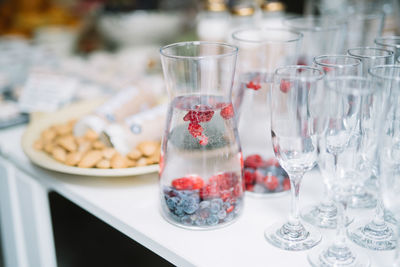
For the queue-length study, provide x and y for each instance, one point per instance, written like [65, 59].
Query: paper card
[47, 91]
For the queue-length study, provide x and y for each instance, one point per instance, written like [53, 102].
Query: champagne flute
[324, 214]
[296, 120]
[388, 79]
[351, 98]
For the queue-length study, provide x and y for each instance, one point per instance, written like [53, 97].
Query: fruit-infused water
[201, 163]
[262, 173]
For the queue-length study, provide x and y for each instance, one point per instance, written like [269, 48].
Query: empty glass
[201, 162]
[351, 98]
[363, 27]
[324, 214]
[370, 56]
[261, 51]
[388, 78]
[322, 35]
[297, 115]
[390, 43]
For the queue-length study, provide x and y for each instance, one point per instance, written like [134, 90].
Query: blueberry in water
[179, 211]
[190, 205]
[212, 220]
[221, 214]
[200, 221]
[203, 213]
[186, 220]
[215, 206]
[171, 202]
[204, 204]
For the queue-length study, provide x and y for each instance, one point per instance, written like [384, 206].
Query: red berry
[209, 191]
[195, 129]
[253, 86]
[183, 183]
[227, 112]
[204, 113]
[249, 177]
[301, 62]
[249, 187]
[238, 190]
[230, 209]
[272, 162]
[197, 181]
[253, 161]
[203, 140]
[286, 184]
[285, 86]
[271, 182]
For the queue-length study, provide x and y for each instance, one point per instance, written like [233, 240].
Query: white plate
[40, 158]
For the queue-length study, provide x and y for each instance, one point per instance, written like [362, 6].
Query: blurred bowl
[141, 27]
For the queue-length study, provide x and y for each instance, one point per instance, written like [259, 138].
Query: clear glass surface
[363, 27]
[261, 51]
[322, 35]
[297, 116]
[388, 79]
[371, 56]
[201, 161]
[324, 214]
[352, 99]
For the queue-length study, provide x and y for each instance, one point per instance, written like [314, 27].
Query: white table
[131, 205]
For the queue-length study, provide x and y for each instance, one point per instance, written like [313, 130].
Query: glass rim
[371, 71]
[297, 67]
[364, 90]
[234, 50]
[372, 15]
[266, 29]
[337, 65]
[380, 40]
[350, 52]
[288, 23]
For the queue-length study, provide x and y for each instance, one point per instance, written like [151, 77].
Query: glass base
[335, 256]
[389, 217]
[373, 236]
[294, 237]
[323, 215]
[362, 201]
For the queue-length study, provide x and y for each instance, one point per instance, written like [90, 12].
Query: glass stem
[341, 224]
[379, 217]
[295, 181]
[326, 200]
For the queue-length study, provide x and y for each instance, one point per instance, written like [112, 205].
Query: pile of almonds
[89, 151]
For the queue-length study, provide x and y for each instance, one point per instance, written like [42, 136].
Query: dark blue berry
[190, 205]
[212, 220]
[200, 221]
[204, 204]
[171, 202]
[186, 220]
[215, 205]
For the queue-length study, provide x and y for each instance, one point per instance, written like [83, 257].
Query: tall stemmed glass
[324, 214]
[370, 56]
[296, 116]
[388, 78]
[374, 234]
[350, 100]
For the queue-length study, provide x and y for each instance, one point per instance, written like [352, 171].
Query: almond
[68, 142]
[108, 153]
[118, 161]
[59, 154]
[148, 148]
[103, 164]
[90, 159]
[134, 154]
[73, 158]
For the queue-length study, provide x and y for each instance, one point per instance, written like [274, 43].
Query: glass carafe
[261, 51]
[201, 161]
